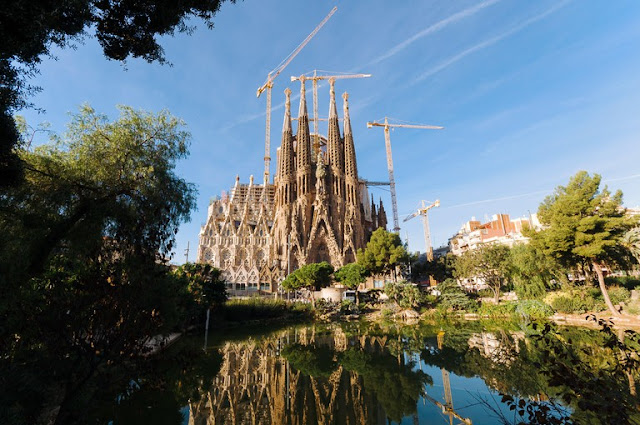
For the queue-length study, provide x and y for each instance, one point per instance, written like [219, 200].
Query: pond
[361, 373]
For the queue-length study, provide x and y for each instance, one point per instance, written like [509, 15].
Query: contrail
[487, 43]
[504, 198]
[432, 29]
[538, 192]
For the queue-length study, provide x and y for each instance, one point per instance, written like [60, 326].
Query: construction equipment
[387, 141]
[268, 85]
[370, 183]
[424, 212]
[315, 78]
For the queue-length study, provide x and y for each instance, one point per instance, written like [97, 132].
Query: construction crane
[315, 78]
[387, 141]
[424, 212]
[268, 85]
[370, 183]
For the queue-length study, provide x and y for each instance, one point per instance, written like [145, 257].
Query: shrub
[563, 304]
[262, 308]
[533, 309]
[348, 307]
[629, 282]
[403, 293]
[453, 297]
[619, 294]
[579, 301]
[498, 310]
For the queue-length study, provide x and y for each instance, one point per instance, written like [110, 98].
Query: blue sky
[529, 93]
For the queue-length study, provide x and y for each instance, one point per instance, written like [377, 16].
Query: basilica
[317, 209]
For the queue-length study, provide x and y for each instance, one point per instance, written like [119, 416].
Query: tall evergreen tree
[383, 254]
[584, 225]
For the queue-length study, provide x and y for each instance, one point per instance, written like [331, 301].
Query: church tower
[317, 208]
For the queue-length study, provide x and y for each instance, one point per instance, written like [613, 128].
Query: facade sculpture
[317, 209]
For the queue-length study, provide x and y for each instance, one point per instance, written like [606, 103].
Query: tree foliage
[383, 253]
[351, 275]
[205, 284]
[82, 276]
[310, 276]
[584, 225]
[124, 28]
[441, 268]
[490, 263]
[531, 271]
[453, 297]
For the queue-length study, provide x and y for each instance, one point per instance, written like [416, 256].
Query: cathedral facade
[316, 209]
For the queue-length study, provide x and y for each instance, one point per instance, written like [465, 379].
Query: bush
[405, 294]
[348, 307]
[453, 297]
[498, 310]
[579, 301]
[563, 304]
[533, 309]
[262, 308]
[628, 282]
[619, 294]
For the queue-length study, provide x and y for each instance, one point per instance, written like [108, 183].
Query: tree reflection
[551, 375]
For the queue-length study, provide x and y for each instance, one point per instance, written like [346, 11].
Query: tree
[531, 271]
[631, 241]
[406, 295]
[452, 296]
[441, 268]
[83, 279]
[351, 276]
[310, 276]
[383, 254]
[204, 284]
[125, 28]
[489, 263]
[584, 225]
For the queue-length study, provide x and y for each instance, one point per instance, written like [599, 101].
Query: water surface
[359, 373]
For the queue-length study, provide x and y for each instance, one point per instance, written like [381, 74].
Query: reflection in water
[449, 373]
[307, 377]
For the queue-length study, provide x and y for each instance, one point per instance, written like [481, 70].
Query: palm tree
[631, 241]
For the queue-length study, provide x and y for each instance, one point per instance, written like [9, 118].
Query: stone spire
[374, 215]
[350, 167]
[286, 166]
[303, 145]
[334, 145]
[382, 216]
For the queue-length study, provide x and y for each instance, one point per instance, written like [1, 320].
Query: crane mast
[268, 85]
[424, 212]
[315, 78]
[387, 142]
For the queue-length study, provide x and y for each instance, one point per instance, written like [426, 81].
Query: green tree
[584, 225]
[531, 271]
[631, 241]
[83, 282]
[310, 276]
[489, 263]
[406, 295]
[441, 268]
[453, 297]
[351, 276]
[383, 254]
[124, 28]
[204, 284]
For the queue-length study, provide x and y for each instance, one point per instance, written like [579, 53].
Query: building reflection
[258, 384]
